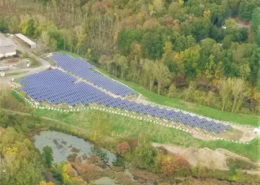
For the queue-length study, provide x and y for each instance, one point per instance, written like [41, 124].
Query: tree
[256, 19]
[121, 65]
[168, 56]
[246, 9]
[21, 161]
[152, 45]
[162, 75]
[3, 25]
[238, 90]
[48, 155]
[190, 58]
[225, 91]
[149, 73]
[126, 38]
[28, 27]
[232, 29]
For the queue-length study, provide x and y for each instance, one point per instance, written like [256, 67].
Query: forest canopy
[202, 51]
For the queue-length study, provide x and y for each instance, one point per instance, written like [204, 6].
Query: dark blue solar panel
[57, 87]
[84, 70]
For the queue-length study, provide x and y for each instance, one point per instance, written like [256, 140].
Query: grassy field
[246, 119]
[239, 118]
[14, 74]
[123, 127]
[258, 80]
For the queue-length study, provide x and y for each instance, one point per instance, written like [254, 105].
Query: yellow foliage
[181, 2]
[115, 36]
[141, 16]
[68, 175]
[46, 183]
[207, 14]
[158, 5]
[177, 56]
[10, 150]
[167, 159]
[65, 169]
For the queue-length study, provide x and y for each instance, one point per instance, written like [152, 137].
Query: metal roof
[5, 42]
[6, 45]
[25, 39]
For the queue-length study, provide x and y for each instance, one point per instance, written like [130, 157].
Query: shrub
[122, 148]
[145, 156]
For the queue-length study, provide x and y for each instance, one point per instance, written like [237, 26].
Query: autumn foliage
[171, 164]
[122, 148]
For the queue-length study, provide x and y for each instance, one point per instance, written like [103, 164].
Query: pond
[64, 145]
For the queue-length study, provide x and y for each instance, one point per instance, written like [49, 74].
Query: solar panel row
[84, 70]
[57, 87]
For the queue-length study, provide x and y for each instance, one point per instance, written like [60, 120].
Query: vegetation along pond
[64, 145]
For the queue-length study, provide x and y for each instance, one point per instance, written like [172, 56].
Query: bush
[47, 153]
[145, 156]
[122, 148]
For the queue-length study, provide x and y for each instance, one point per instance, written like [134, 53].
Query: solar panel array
[57, 87]
[84, 70]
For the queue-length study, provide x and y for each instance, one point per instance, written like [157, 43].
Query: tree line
[194, 50]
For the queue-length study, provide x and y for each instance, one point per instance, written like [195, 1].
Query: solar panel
[84, 70]
[58, 87]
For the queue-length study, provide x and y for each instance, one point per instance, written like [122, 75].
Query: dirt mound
[212, 159]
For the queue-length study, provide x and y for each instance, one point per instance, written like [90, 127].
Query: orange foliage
[99, 6]
[181, 163]
[168, 166]
[171, 164]
[86, 170]
[151, 23]
[122, 148]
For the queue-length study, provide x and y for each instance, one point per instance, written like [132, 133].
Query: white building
[26, 40]
[7, 47]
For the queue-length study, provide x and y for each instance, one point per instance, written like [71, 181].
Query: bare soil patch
[212, 159]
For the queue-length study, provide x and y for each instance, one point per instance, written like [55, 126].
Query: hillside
[199, 51]
[129, 92]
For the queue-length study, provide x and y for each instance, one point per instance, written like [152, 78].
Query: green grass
[245, 119]
[258, 80]
[124, 127]
[14, 74]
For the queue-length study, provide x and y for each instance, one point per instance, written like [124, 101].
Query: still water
[64, 145]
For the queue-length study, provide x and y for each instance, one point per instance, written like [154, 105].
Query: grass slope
[245, 119]
[124, 127]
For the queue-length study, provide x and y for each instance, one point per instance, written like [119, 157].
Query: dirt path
[212, 159]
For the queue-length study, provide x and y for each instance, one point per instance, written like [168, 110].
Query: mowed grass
[123, 127]
[245, 119]
[258, 80]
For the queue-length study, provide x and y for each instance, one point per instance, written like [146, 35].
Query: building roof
[5, 42]
[6, 45]
[7, 49]
[25, 39]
